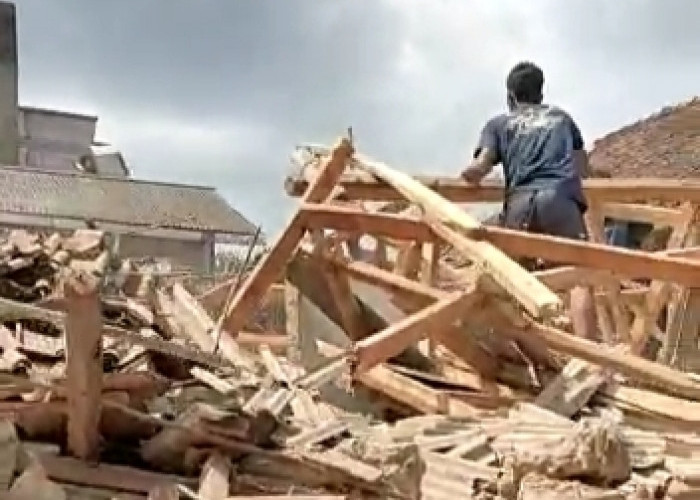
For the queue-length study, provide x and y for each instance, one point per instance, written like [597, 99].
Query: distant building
[175, 222]
[54, 176]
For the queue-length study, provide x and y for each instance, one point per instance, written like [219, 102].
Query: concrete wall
[53, 140]
[8, 85]
[189, 254]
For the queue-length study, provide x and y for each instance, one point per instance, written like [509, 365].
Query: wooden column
[83, 364]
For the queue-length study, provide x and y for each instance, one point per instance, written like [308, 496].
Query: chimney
[9, 106]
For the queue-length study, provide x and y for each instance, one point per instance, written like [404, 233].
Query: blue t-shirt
[535, 144]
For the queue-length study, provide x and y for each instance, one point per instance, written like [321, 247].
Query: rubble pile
[420, 360]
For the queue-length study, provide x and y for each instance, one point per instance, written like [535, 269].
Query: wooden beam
[537, 299]
[631, 263]
[360, 186]
[660, 290]
[358, 222]
[409, 260]
[455, 339]
[395, 338]
[201, 328]
[83, 365]
[407, 391]
[661, 377]
[612, 320]
[635, 212]
[271, 265]
[672, 266]
[566, 277]
[350, 312]
[112, 477]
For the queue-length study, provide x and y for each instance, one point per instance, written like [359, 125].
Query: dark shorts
[544, 211]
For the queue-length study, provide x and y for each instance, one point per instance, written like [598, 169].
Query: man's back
[536, 144]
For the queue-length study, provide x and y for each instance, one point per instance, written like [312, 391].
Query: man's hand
[483, 162]
[472, 175]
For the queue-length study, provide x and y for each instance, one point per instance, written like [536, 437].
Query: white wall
[53, 140]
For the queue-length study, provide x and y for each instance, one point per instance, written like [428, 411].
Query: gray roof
[120, 201]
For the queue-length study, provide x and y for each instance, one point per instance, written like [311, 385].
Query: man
[543, 158]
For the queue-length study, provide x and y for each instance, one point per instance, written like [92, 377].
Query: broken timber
[83, 365]
[537, 299]
[361, 186]
[271, 265]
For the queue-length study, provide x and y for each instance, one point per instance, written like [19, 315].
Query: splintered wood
[419, 361]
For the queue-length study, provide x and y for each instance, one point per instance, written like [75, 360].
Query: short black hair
[525, 82]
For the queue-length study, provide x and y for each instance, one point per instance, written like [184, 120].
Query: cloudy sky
[218, 92]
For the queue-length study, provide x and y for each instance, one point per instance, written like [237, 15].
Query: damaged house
[664, 145]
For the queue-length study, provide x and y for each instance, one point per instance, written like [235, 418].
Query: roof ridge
[131, 180]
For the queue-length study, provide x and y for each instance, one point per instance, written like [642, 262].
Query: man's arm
[480, 166]
[486, 155]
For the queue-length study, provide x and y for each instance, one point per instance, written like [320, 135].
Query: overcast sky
[218, 92]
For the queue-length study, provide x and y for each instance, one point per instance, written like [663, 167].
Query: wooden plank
[428, 276]
[635, 212]
[394, 339]
[623, 261]
[356, 221]
[659, 290]
[406, 390]
[214, 479]
[408, 261]
[291, 318]
[612, 321]
[454, 339]
[677, 266]
[680, 344]
[289, 497]
[271, 265]
[83, 365]
[532, 294]
[113, 477]
[200, 327]
[164, 492]
[571, 389]
[661, 377]
[360, 186]
[349, 310]
[566, 277]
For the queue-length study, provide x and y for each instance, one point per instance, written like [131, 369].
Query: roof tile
[666, 144]
[122, 201]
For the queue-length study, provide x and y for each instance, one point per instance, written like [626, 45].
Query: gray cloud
[218, 92]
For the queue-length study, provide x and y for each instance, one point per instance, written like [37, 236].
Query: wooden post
[83, 365]
[659, 290]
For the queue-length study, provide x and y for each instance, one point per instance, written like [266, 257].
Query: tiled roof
[120, 201]
[666, 144]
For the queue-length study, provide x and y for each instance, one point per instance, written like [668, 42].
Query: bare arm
[480, 166]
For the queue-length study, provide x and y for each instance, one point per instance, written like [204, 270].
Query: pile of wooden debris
[423, 361]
